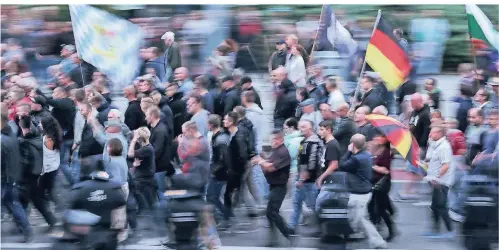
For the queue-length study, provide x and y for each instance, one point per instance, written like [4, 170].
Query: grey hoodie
[256, 117]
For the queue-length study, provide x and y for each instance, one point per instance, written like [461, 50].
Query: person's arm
[58, 103]
[445, 157]
[131, 148]
[228, 104]
[283, 160]
[98, 131]
[426, 130]
[159, 145]
[312, 159]
[347, 162]
[269, 65]
[243, 148]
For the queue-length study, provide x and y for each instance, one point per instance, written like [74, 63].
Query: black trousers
[380, 207]
[276, 197]
[36, 195]
[146, 196]
[440, 208]
[233, 184]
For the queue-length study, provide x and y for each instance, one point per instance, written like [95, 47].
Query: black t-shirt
[332, 153]
[147, 166]
[281, 161]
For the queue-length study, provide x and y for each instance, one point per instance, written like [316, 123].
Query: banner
[108, 42]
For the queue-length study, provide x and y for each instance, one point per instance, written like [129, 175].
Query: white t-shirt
[51, 158]
[439, 153]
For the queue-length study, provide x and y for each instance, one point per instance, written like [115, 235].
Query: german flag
[385, 56]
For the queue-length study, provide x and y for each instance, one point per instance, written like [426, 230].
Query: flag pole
[473, 50]
[352, 107]
[317, 32]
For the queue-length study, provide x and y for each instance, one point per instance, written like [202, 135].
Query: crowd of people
[204, 133]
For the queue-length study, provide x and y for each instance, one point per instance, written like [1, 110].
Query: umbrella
[399, 136]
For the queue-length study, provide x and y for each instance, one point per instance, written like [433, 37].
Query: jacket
[31, 152]
[292, 142]
[168, 115]
[134, 118]
[278, 58]
[196, 168]
[178, 108]
[435, 98]
[372, 99]
[343, 131]
[297, 71]
[88, 144]
[465, 104]
[103, 112]
[258, 101]
[310, 155]
[80, 123]
[255, 115]
[159, 67]
[11, 157]
[359, 166]
[161, 142]
[420, 125]
[64, 112]
[173, 57]
[229, 99]
[247, 126]
[238, 149]
[220, 159]
[285, 104]
[408, 88]
[318, 96]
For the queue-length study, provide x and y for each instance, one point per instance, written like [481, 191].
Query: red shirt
[457, 141]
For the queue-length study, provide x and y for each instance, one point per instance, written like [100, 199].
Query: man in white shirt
[336, 97]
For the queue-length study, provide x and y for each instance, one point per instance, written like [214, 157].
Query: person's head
[306, 128]
[308, 106]
[171, 89]
[145, 83]
[156, 97]
[291, 40]
[23, 109]
[25, 124]
[168, 38]
[130, 92]
[280, 74]
[230, 120]
[475, 116]
[227, 82]
[482, 96]
[326, 111]
[200, 84]
[143, 135]
[430, 84]
[380, 139]
[493, 118]
[359, 142]
[398, 33]
[194, 104]
[248, 98]
[51, 127]
[114, 147]
[290, 125]
[417, 102]
[214, 122]
[494, 82]
[360, 114]
[466, 69]
[114, 115]
[367, 83]
[451, 123]
[280, 45]
[181, 74]
[64, 79]
[342, 109]
[222, 50]
[240, 111]
[237, 74]
[59, 93]
[380, 110]
[276, 138]
[190, 129]
[437, 132]
[96, 101]
[332, 83]
[302, 94]
[112, 126]
[325, 129]
[246, 82]
[68, 50]
[153, 115]
[85, 109]
[153, 52]
[15, 95]
[436, 114]
[145, 103]
[79, 96]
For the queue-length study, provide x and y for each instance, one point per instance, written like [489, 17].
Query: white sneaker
[456, 217]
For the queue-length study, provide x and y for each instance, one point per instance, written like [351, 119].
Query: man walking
[171, 57]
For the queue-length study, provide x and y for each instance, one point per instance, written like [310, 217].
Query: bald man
[345, 127]
[358, 163]
[380, 110]
[134, 117]
[363, 126]
[419, 122]
[183, 80]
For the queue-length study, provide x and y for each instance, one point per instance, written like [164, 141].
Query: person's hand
[180, 139]
[136, 162]
[299, 184]
[74, 146]
[319, 181]
[255, 160]
[135, 135]
[350, 147]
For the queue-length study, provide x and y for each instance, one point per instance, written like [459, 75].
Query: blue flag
[108, 42]
[333, 36]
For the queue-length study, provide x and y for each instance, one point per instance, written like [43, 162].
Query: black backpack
[481, 202]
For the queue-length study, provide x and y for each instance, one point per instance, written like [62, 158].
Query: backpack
[481, 202]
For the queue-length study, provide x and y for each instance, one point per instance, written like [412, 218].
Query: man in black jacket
[88, 144]
[160, 140]
[363, 126]
[420, 121]
[278, 58]
[10, 175]
[31, 149]
[178, 107]
[134, 118]
[358, 163]
[238, 151]
[166, 112]
[276, 170]
[286, 103]
[407, 88]
[247, 85]
[229, 98]
[345, 128]
[219, 166]
[371, 98]
[102, 106]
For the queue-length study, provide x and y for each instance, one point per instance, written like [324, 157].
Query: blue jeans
[160, 181]
[213, 196]
[10, 199]
[261, 181]
[65, 154]
[75, 167]
[457, 192]
[306, 193]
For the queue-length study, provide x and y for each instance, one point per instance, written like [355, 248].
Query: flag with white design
[108, 42]
[482, 32]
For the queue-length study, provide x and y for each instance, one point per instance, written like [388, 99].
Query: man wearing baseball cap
[278, 58]
[494, 83]
[172, 58]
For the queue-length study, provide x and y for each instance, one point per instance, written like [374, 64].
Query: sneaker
[28, 236]
[292, 233]
[456, 216]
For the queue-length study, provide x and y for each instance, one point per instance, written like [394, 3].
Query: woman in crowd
[52, 141]
[296, 68]
[380, 205]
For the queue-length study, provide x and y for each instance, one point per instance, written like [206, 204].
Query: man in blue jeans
[309, 165]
